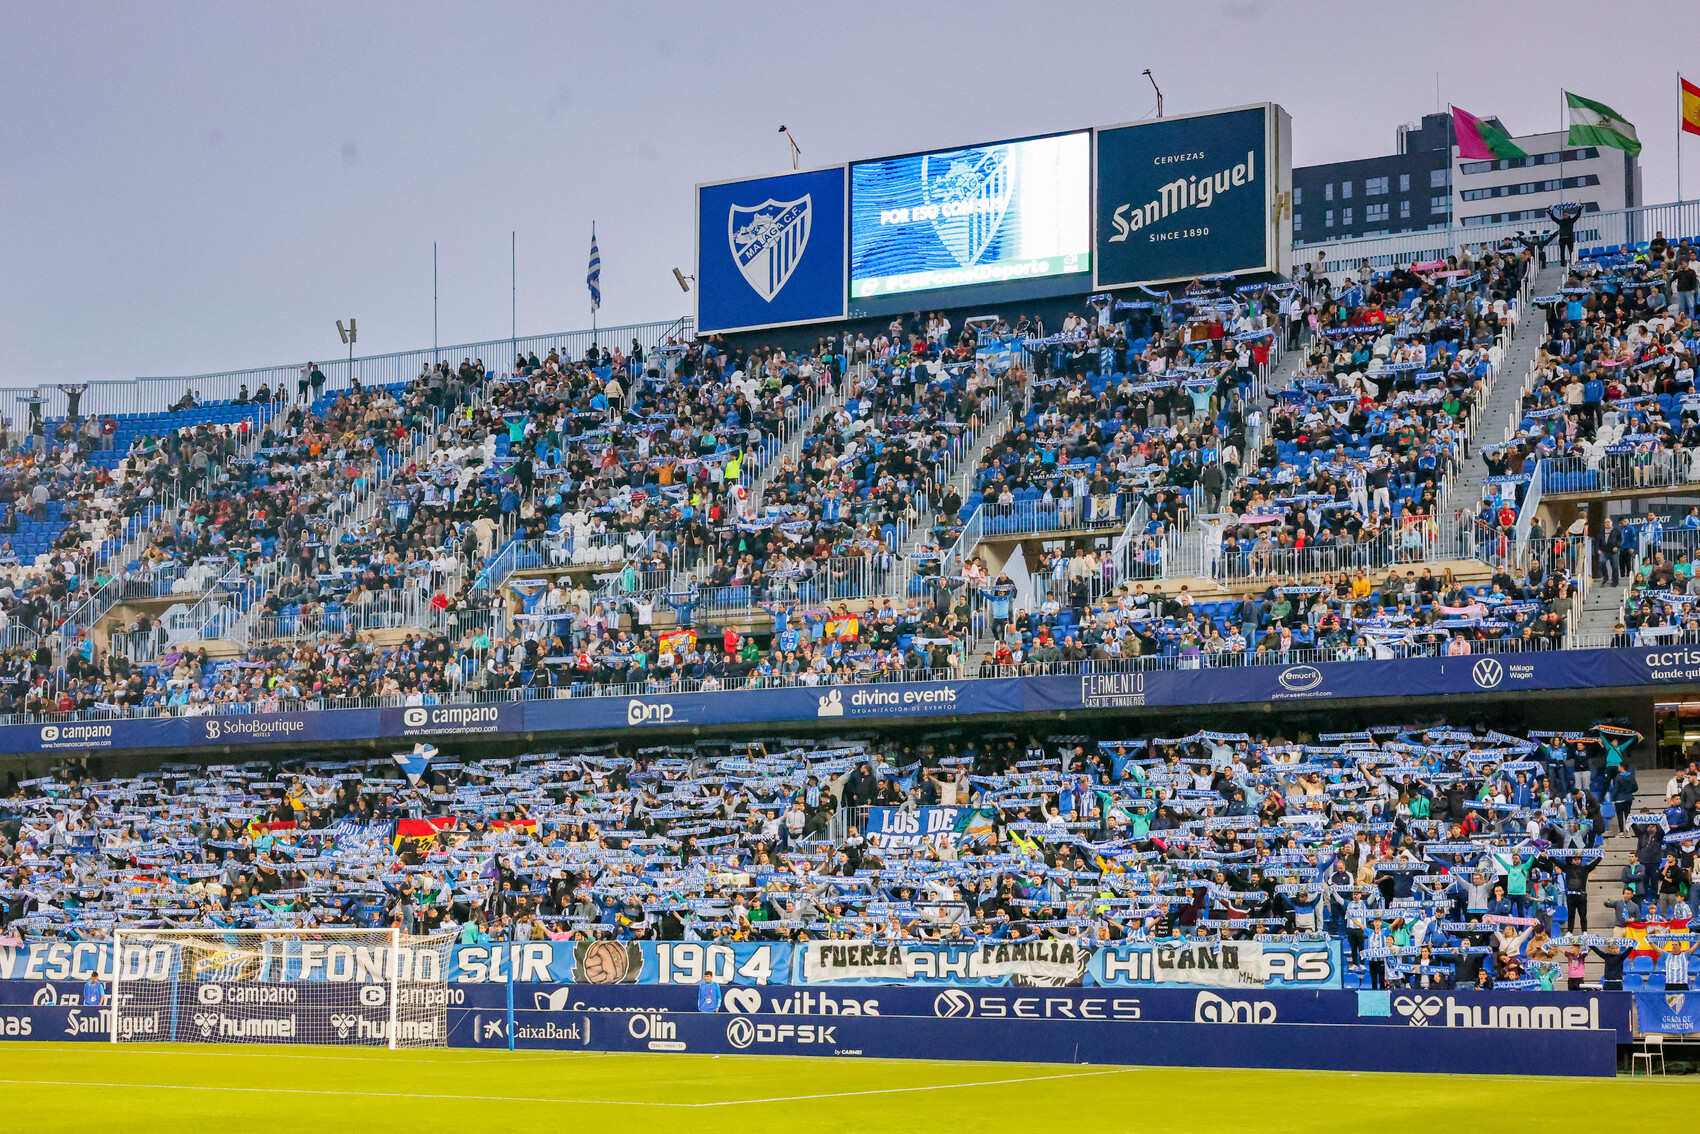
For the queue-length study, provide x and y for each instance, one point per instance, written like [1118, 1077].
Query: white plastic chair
[1652, 1047]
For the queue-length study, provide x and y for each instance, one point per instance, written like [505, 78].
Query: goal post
[342, 987]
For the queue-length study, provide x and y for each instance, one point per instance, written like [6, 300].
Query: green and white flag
[1596, 124]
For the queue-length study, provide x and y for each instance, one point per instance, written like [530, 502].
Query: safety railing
[148, 395]
[568, 548]
[390, 610]
[1197, 552]
[1055, 517]
[1607, 227]
[844, 821]
[1557, 555]
[820, 583]
[1618, 472]
[1675, 543]
[88, 613]
[1096, 582]
[219, 611]
[966, 541]
[490, 622]
[617, 586]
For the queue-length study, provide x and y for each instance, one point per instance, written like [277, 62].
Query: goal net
[347, 987]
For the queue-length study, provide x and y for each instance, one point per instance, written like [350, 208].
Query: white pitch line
[927, 1087]
[560, 1101]
[342, 1094]
[376, 1054]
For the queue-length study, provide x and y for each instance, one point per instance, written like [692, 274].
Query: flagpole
[1563, 141]
[1453, 166]
[593, 305]
[1679, 133]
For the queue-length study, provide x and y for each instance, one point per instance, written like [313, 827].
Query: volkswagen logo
[953, 1004]
[740, 1033]
[1487, 673]
[1300, 678]
[414, 718]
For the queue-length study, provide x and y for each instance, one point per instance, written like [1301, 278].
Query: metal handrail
[141, 395]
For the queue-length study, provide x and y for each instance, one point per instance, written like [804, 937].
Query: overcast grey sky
[199, 187]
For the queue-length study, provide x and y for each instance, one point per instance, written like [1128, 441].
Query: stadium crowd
[689, 474]
[1439, 856]
[1610, 399]
[1353, 469]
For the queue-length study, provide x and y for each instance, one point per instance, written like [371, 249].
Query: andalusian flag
[1596, 124]
[1478, 139]
[1690, 106]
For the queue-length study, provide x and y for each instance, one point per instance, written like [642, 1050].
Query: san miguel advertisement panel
[1199, 195]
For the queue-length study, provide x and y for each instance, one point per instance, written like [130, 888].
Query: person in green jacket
[1516, 870]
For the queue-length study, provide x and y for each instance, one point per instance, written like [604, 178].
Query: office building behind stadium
[1423, 185]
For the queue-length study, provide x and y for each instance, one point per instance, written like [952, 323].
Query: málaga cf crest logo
[970, 190]
[767, 241]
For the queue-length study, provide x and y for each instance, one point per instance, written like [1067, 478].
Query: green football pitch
[184, 1089]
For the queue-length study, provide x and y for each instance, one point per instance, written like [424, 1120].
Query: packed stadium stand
[1338, 469]
[1442, 857]
[1220, 477]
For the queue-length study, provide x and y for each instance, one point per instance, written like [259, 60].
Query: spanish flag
[1690, 106]
[420, 829]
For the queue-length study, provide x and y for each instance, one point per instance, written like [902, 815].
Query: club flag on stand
[1478, 139]
[1596, 124]
[1690, 106]
[594, 278]
[413, 763]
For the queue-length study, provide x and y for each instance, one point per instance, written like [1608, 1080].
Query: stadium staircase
[758, 475]
[1281, 375]
[962, 471]
[1619, 851]
[120, 557]
[1505, 397]
[1601, 610]
[238, 621]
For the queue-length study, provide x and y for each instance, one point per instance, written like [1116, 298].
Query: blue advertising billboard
[1014, 213]
[770, 251]
[1153, 1043]
[1198, 195]
[1661, 669]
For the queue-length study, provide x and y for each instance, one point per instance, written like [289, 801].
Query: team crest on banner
[768, 240]
[972, 193]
